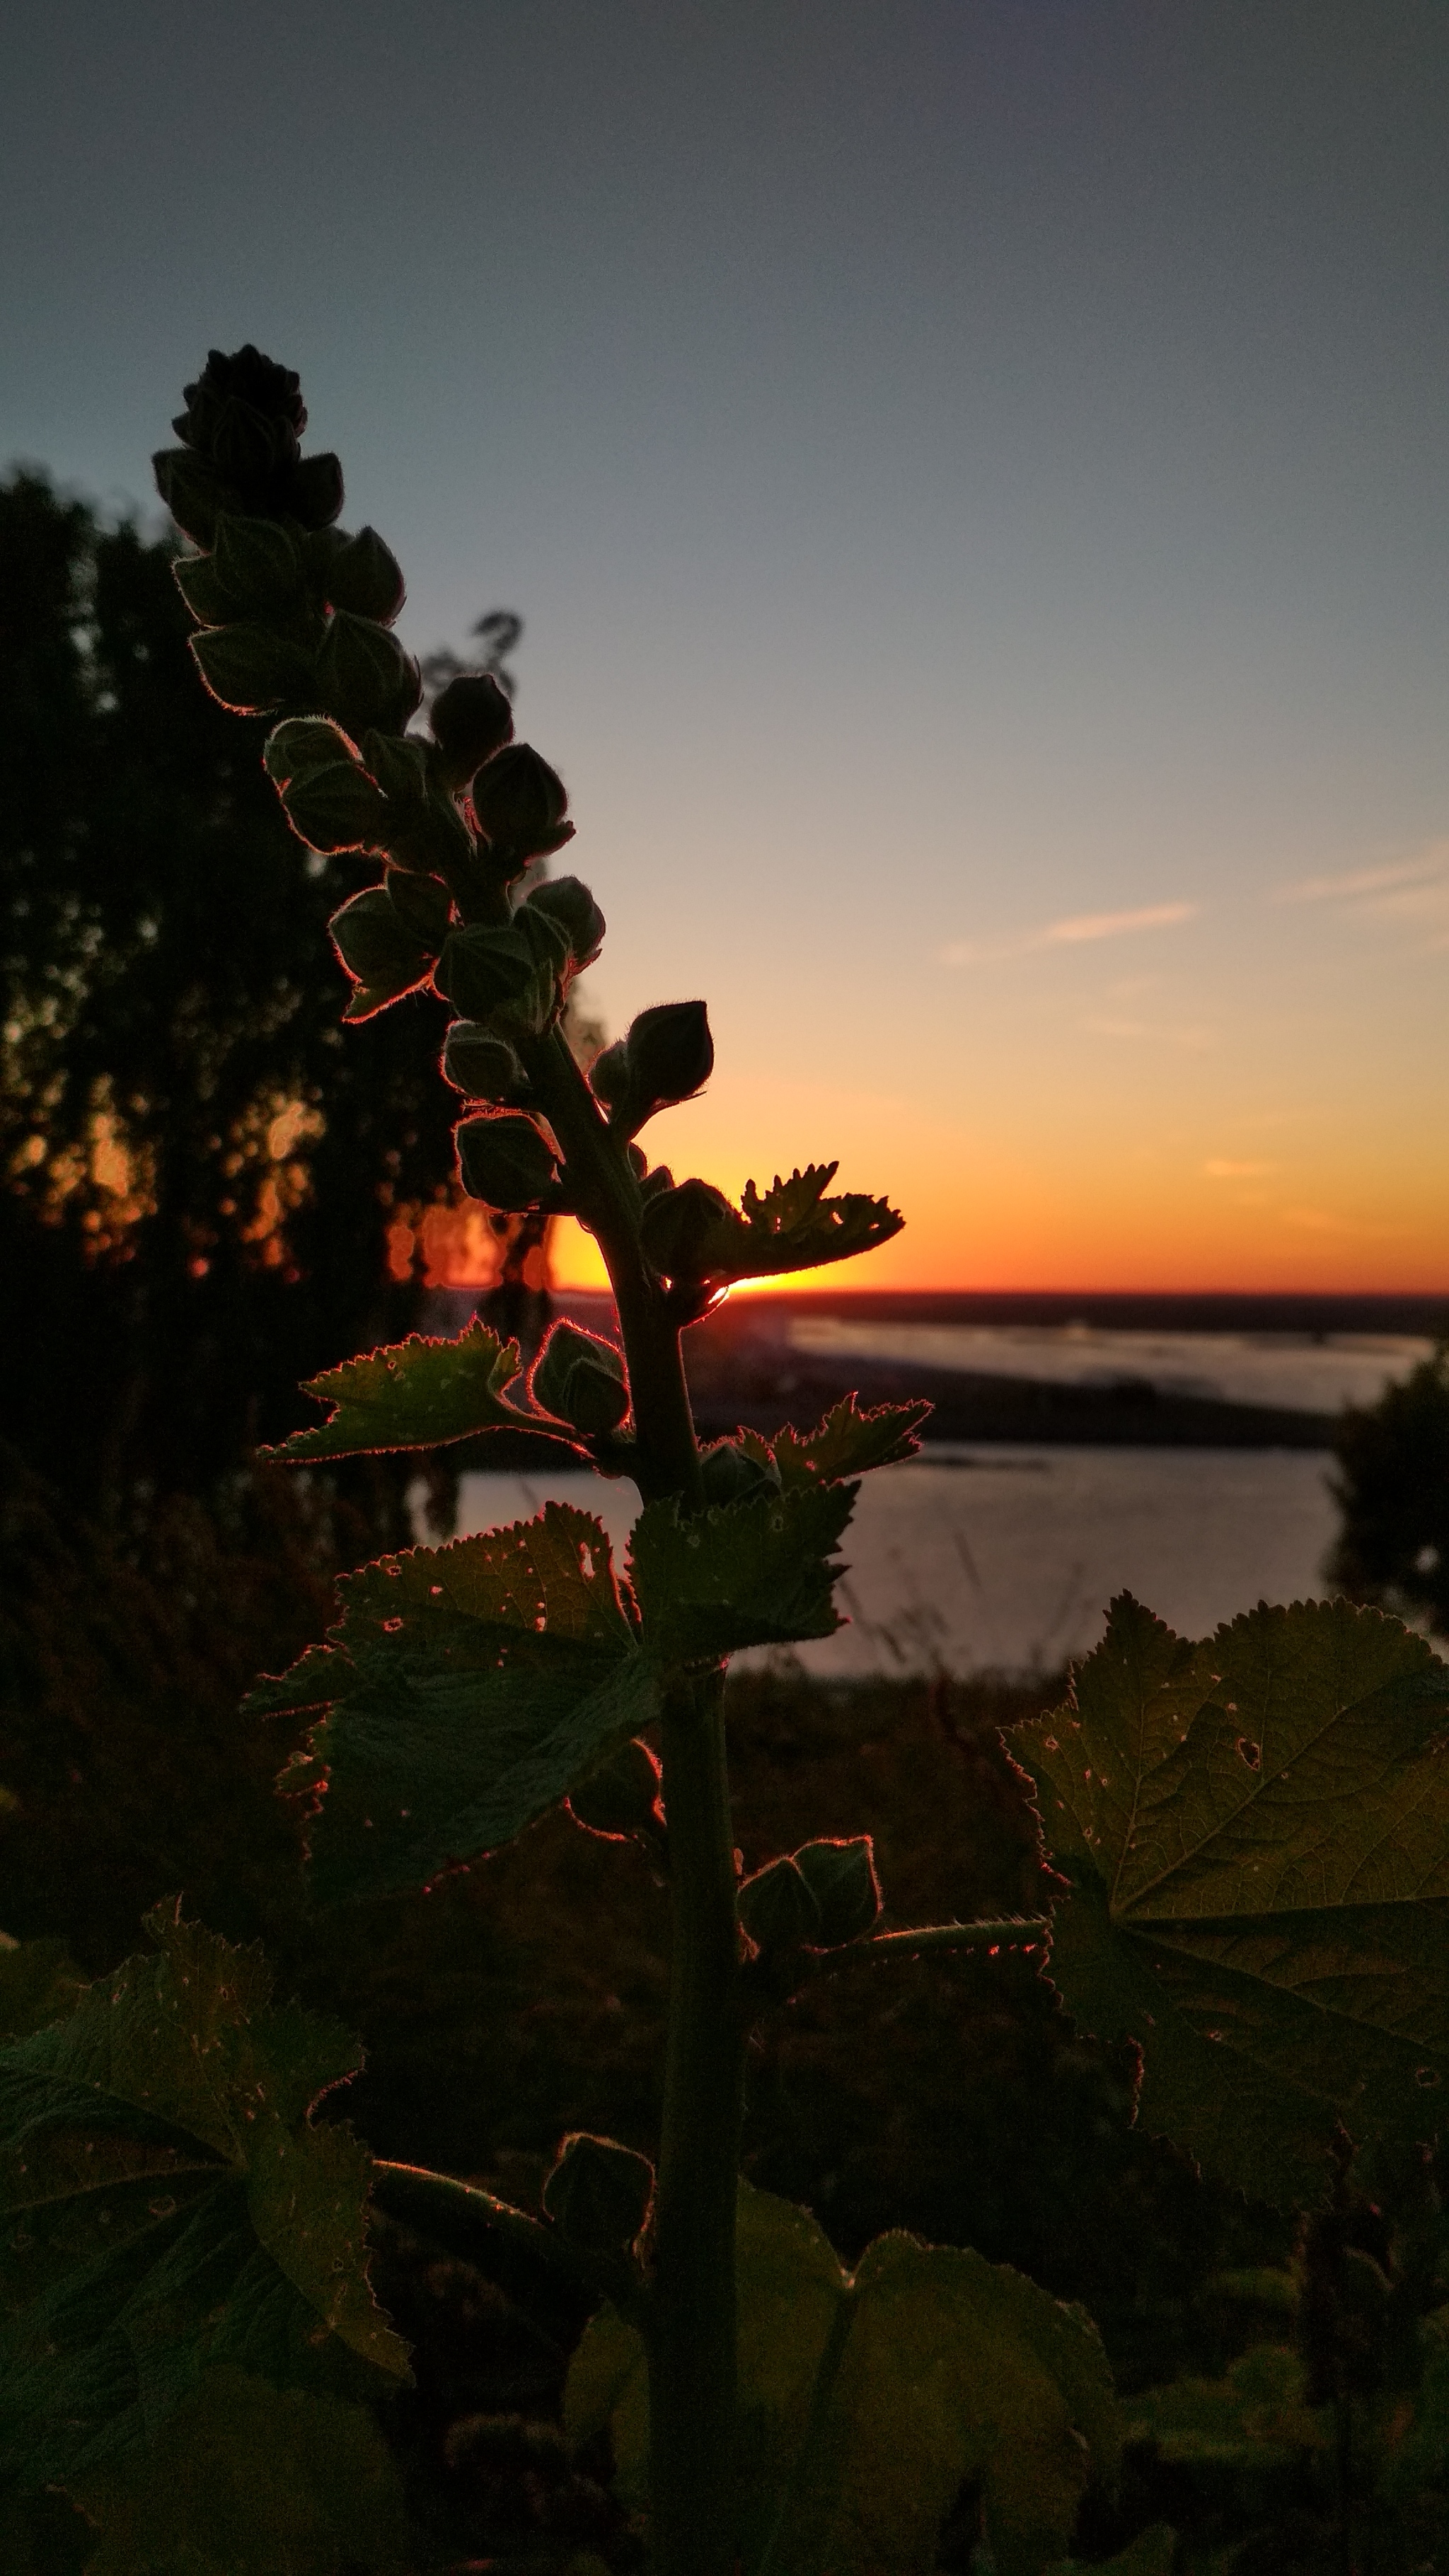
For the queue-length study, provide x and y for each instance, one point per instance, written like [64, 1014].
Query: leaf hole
[1250, 1752]
[391, 1626]
[1428, 2076]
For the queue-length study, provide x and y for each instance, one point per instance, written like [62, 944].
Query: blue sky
[969, 471]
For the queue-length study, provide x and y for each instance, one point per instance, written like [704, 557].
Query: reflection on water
[1007, 1556]
[1316, 1373]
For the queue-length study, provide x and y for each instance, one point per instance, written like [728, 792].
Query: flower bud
[250, 670]
[841, 1876]
[192, 490]
[365, 676]
[680, 1229]
[778, 1908]
[365, 577]
[313, 492]
[258, 563]
[336, 808]
[580, 1379]
[482, 966]
[302, 744]
[671, 1055]
[471, 719]
[599, 2194]
[519, 804]
[621, 1799]
[481, 1066]
[731, 1475]
[377, 950]
[202, 588]
[569, 903]
[504, 1160]
[423, 905]
[609, 1074]
[400, 766]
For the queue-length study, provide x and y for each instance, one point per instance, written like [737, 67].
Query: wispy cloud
[1412, 890]
[1072, 932]
[1220, 1169]
[1176, 1033]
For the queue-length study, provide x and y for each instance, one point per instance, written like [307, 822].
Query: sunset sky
[974, 473]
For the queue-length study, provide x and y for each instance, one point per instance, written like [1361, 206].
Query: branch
[1009, 1931]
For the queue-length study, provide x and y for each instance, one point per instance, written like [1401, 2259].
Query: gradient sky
[975, 475]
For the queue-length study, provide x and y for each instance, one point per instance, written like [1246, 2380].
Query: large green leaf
[249, 2480]
[946, 2367]
[415, 1394]
[169, 2205]
[467, 1688]
[752, 1573]
[1256, 1832]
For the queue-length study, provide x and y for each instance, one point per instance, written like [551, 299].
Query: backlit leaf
[1256, 1831]
[947, 2368]
[794, 1226]
[467, 1688]
[849, 1442]
[752, 1573]
[415, 1394]
[169, 2207]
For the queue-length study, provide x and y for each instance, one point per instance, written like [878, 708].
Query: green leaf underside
[753, 1573]
[416, 1394]
[169, 2208]
[849, 1442]
[467, 1688]
[1256, 1831]
[248, 2480]
[952, 2368]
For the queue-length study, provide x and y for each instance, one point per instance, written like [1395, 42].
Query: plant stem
[608, 1199]
[691, 2326]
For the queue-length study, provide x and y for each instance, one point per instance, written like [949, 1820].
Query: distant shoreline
[1119, 1310]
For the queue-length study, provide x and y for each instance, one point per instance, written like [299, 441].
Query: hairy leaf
[249, 2480]
[1256, 1832]
[415, 1394]
[752, 1573]
[794, 1226]
[945, 2367]
[168, 2205]
[849, 1442]
[467, 1688]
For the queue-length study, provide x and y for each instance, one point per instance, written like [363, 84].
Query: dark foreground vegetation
[527, 1999]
